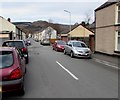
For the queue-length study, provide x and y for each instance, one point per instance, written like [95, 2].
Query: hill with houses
[33, 27]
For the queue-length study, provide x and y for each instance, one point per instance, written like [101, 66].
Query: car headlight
[25, 55]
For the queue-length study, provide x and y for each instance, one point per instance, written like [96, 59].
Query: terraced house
[107, 33]
[6, 26]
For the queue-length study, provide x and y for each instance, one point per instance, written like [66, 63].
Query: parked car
[27, 42]
[36, 39]
[12, 68]
[77, 49]
[45, 41]
[59, 45]
[20, 44]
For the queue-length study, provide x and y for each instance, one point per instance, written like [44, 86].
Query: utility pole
[69, 19]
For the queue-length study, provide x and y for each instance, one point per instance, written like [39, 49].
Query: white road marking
[67, 70]
[106, 63]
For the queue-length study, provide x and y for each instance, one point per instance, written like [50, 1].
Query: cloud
[31, 11]
[52, 0]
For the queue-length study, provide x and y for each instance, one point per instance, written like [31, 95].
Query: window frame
[118, 37]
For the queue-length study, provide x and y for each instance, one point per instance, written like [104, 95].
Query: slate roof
[67, 31]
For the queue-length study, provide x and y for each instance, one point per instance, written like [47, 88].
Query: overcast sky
[22, 10]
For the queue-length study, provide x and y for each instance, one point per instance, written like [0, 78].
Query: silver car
[77, 49]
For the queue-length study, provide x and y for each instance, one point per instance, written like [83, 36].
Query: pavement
[112, 61]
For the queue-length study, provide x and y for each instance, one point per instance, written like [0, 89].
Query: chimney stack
[83, 23]
[9, 19]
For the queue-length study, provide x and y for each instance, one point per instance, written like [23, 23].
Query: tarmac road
[52, 74]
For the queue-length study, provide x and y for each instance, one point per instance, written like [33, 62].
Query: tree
[88, 17]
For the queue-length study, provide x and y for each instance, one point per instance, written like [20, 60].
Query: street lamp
[70, 18]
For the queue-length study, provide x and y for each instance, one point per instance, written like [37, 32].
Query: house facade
[47, 33]
[82, 33]
[107, 32]
[7, 26]
[64, 37]
[20, 34]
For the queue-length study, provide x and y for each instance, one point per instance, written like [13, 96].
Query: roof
[67, 31]
[42, 29]
[83, 27]
[106, 4]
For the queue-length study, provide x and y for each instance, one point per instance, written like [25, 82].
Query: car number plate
[85, 54]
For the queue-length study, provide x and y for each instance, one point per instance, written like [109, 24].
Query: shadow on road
[10, 95]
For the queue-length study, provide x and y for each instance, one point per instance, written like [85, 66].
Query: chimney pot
[9, 19]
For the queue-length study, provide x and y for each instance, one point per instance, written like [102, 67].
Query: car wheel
[71, 54]
[22, 91]
[64, 52]
[25, 70]
[90, 57]
[27, 60]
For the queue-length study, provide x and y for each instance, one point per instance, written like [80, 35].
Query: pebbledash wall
[106, 33]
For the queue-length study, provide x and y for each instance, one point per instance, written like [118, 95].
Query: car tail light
[24, 49]
[16, 74]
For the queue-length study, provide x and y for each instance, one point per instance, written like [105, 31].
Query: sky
[49, 10]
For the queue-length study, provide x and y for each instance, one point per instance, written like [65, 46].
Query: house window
[119, 17]
[118, 41]
[119, 12]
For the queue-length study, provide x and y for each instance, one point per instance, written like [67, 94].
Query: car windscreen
[61, 43]
[79, 44]
[17, 44]
[6, 59]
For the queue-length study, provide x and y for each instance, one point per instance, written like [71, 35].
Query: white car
[45, 42]
[77, 49]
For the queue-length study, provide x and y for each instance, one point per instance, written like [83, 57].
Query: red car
[59, 45]
[12, 70]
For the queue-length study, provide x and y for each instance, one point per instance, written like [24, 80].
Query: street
[52, 74]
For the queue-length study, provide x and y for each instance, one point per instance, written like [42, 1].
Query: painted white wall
[6, 25]
[54, 34]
